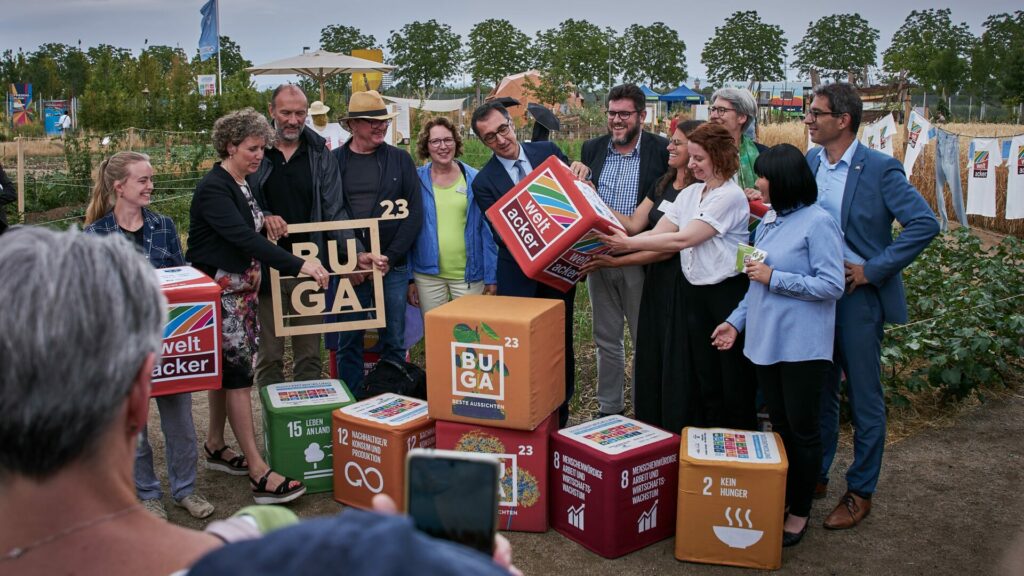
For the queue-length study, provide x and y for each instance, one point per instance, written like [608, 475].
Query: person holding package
[705, 224]
[119, 205]
[788, 316]
[665, 393]
[455, 253]
[225, 242]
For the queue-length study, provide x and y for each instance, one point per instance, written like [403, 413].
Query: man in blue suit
[864, 190]
[510, 163]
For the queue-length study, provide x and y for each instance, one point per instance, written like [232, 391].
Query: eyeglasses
[502, 131]
[437, 142]
[621, 114]
[815, 114]
[376, 124]
[677, 143]
[720, 110]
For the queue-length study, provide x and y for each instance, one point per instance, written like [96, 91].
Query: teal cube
[297, 429]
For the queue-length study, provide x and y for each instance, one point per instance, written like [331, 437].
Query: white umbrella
[320, 66]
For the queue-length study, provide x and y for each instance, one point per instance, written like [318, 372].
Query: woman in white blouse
[708, 220]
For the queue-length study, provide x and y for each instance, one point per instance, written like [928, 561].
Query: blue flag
[209, 43]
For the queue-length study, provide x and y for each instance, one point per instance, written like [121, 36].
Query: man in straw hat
[332, 132]
[380, 181]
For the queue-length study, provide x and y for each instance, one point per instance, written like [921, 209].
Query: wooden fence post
[21, 180]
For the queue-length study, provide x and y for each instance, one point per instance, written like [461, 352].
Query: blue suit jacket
[490, 184]
[878, 192]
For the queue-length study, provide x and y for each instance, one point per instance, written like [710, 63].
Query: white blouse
[726, 210]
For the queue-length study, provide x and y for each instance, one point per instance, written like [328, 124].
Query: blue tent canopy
[650, 94]
[682, 94]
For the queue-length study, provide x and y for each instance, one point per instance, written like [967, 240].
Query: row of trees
[929, 49]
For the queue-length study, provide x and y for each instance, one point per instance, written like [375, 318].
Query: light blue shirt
[510, 165]
[831, 180]
[793, 318]
[620, 178]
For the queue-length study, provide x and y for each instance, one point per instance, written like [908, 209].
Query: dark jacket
[222, 233]
[160, 244]
[8, 195]
[653, 160]
[399, 191]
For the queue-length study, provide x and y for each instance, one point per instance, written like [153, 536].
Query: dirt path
[948, 502]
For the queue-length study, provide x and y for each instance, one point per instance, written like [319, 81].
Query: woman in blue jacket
[454, 253]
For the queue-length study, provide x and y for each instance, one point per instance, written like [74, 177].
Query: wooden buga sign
[308, 300]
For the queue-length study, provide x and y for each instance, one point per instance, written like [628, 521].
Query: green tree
[654, 55]
[578, 51]
[232, 66]
[745, 48]
[551, 89]
[425, 54]
[930, 50]
[496, 49]
[997, 59]
[341, 39]
[836, 46]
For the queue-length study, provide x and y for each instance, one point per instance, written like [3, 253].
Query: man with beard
[622, 165]
[297, 183]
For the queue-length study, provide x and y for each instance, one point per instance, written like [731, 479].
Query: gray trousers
[270, 354]
[615, 300]
[179, 449]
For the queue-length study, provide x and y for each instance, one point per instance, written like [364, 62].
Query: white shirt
[333, 133]
[510, 165]
[726, 210]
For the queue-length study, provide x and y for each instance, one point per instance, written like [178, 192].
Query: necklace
[19, 551]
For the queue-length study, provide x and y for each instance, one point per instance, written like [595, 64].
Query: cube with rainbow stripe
[549, 223]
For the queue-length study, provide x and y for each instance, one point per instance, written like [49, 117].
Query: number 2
[707, 486]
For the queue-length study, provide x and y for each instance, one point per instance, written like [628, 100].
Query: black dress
[666, 395]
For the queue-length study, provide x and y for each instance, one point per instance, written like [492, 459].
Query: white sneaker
[196, 505]
[155, 507]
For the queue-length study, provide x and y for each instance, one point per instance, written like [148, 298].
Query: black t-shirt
[137, 236]
[288, 190]
[669, 195]
[361, 183]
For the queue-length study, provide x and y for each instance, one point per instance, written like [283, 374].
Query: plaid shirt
[619, 179]
[160, 243]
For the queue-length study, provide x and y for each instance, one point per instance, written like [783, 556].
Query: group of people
[708, 336]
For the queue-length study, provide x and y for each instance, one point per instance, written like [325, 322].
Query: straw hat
[317, 108]
[367, 106]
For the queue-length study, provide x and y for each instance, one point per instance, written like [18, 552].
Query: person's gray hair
[742, 100]
[81, 313]
[234, 127]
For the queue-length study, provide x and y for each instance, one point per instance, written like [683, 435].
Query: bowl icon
[738, 537]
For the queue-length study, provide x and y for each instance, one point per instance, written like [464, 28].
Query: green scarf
[748, 153]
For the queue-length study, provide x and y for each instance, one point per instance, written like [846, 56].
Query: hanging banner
[1015, 181]
[982, 160]
[207, 84]
[917, 139]
[878, 135]
[19, 104]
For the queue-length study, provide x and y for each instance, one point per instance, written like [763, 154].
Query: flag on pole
[209, 43]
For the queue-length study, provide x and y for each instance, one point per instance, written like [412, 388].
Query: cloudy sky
[270, 29]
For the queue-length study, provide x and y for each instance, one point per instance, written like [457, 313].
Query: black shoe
[794, 538]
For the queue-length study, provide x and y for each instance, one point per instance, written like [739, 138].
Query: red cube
[523, 503]
[548, 222]
[613, 484]
[190, 355]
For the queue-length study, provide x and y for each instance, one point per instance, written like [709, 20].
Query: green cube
[297, 429]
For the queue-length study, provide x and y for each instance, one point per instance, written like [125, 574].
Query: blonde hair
[112, 170]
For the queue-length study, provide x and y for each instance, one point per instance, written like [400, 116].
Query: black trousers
[793, 393]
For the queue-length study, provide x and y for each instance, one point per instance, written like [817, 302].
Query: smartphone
[454, 495]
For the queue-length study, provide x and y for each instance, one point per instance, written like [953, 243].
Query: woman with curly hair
[226, 241]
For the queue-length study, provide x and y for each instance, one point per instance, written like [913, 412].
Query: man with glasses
[380, 181]
[622, 165]
[864, 190]
[511, 163]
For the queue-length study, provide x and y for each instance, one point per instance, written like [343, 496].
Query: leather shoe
[849, 512]
[794, 538]
[820, 490]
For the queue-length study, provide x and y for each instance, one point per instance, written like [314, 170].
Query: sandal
[215, 460]
[280, 495]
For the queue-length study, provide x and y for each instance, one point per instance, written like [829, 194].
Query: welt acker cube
[297, 430]
[190, 358]
[371, 439]
[732, 491]
[613, 484]
[548, 222]
[523, 495]
[496, 360]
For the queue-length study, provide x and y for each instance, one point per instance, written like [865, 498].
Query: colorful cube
[549, 220]
[523, 498]
[496, 360]
[732, 490]
[297, 429]
[371, 439]
[613, 484]
[190, 355]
